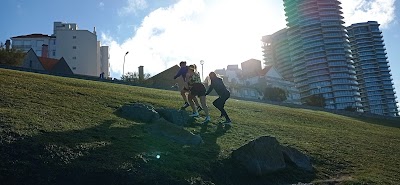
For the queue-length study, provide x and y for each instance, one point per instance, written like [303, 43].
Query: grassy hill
[56, 130]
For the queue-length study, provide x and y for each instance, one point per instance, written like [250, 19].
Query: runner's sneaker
[199, 109]
[186, 105]
[195, 114]
[208, 119]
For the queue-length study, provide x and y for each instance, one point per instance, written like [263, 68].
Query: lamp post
[123, 67]
[202, 62]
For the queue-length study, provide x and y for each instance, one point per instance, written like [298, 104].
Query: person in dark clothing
[182, 72]
[193, 83]
[218, 85]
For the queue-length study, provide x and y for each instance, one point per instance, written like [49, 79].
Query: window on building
[17, 42]
[27, 43]
[30, 63]
[73, 68]
[74, 58]
[54, 53]
[74, 37]
[39, 52]
[73, 47]
[54, 42]
[39, 43]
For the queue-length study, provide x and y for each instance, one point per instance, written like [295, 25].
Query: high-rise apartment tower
[372, 67]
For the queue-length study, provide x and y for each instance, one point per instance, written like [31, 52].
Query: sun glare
[220, 32]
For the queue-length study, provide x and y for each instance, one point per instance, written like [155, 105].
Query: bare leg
[190, 97]
[196, 101]
[183, 94]
[204, 104]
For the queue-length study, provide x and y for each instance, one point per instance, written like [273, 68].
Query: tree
[11, 57]
[275, 94]
[134, 77]
[315, 100]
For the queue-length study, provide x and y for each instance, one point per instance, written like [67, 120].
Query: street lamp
[123, 67]
[202, 62]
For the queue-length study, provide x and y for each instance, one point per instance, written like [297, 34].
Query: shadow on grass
[113, 153]
[108, 153]
[382, 122]
[228, 171]
[99, 155]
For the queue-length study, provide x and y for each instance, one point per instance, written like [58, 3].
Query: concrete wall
[251, 67]
[79, 49]
[104, 60]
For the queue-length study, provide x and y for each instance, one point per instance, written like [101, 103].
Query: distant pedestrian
[196, 88]
[218, 85]
[102, 75]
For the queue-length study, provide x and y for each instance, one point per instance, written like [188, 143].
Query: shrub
[11, 57]
[274, 94]
[315, 100]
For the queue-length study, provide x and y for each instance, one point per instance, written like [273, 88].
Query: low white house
[269, 76]
[253, 87]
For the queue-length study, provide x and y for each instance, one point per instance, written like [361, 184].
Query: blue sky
[160, 33]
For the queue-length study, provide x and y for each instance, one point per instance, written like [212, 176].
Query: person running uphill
[223, 93]
[182, 72]
[196, 88]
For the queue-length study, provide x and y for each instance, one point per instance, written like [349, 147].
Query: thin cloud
[101, 5]
[219, 32]
[133, 6]
[194, 30]
[356, 11]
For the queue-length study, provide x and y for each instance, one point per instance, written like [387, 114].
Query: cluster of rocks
[260, 156]
[163, 122]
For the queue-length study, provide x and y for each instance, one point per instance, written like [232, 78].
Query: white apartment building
[35, 41]
[80, 48]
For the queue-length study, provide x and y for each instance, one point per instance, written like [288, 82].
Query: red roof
[35, 35]
[48, 63]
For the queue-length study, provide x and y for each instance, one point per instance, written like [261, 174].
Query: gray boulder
[261, 156]
[180, 118]
[163, 128]
[139, 112]
[297, 158]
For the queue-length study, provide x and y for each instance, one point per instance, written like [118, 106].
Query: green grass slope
[56, 130]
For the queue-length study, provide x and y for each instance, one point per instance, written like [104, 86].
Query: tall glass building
[320, 52]
[372, 67]
[275, 49]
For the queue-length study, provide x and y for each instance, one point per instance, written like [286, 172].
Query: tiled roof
[48, 63]
[35, 35]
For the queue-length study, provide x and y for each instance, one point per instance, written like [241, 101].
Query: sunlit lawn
[63, 130]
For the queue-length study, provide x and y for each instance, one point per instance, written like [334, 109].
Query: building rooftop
[35, 35]
[48, 63]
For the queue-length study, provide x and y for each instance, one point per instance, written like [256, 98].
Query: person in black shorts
[196, 88]
[182, 72]
[218, 85]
